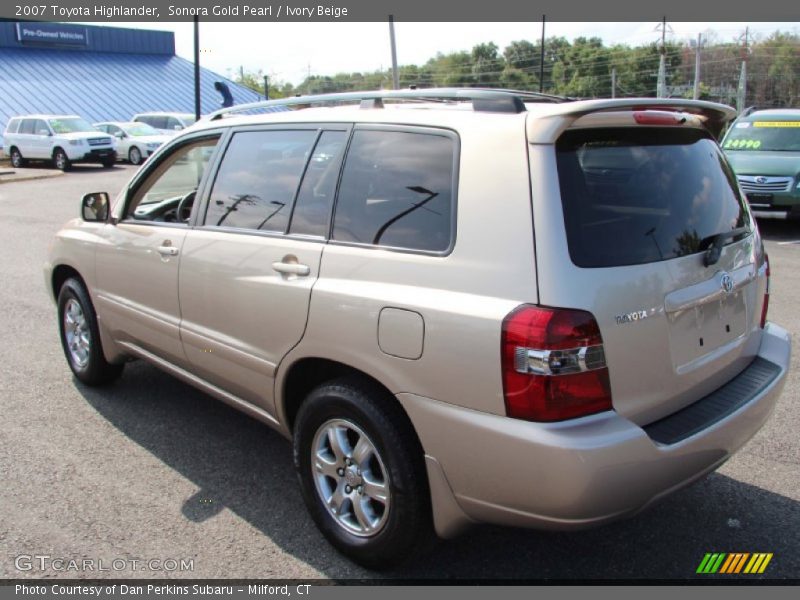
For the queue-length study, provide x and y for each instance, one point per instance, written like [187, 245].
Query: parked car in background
[763, 148]
[62, 139]
[166, 122]
[471, 306]
[135, 141]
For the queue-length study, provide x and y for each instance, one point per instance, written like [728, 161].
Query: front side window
[397, 191]
[167, 193]
[258, 179]
[40, 128]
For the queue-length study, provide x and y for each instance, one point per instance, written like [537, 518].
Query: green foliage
[583, 68]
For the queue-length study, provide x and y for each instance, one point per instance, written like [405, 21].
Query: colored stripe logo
[734, 563]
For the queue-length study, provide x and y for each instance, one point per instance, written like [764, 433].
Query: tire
[135, 156]
[388, 483]
[107, 164]
[16, 159]
[61, 160]
[80, 336]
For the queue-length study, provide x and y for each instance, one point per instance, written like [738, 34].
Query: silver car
[460, 305]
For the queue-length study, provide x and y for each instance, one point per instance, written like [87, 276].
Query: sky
[290, 51]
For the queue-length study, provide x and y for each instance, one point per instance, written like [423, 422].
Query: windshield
[70, 125]
[780, 136]
[141, 129]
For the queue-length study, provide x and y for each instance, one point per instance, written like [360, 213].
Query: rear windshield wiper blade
[717, 241]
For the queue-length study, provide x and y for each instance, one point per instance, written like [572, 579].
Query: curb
[14, 175]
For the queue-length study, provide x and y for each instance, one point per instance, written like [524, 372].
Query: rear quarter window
[642, 194]
[397, 190]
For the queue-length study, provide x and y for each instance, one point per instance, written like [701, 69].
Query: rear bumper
[580, 472]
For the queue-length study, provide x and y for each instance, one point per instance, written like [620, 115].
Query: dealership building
[99, 73]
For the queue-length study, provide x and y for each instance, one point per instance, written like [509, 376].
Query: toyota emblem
[727, 283]
[761, 179]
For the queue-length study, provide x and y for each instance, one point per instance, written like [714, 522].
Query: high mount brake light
[649, 117]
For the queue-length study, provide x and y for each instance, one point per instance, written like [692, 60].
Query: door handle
[291, 268]
[167, 250]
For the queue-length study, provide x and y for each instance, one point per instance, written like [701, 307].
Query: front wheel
[16, 159]
[80, 336]
[61, 160]
[362, 472]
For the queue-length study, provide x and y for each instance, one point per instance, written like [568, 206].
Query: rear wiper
[715, 249]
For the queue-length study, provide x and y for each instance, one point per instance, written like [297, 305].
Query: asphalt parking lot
[149, 468]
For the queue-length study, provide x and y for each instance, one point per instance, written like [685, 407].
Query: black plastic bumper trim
[716, 406]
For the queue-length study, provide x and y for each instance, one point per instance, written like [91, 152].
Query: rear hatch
[652, 236]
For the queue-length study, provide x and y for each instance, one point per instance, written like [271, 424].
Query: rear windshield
[640, 195]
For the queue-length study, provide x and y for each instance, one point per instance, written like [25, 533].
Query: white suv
[63, 139]
[166, 122]
[461, 305]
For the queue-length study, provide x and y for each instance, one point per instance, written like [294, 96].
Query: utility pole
[196, 67]
[614, 82]
[696, 94]
[741, 92]
[541, 60]
[661, 86]
[395, 73]
[266, 87]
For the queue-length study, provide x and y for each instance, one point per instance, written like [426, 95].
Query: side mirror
[119, 134]
[95, 207]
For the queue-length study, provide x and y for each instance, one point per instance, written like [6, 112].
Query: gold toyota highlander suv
[460, 305]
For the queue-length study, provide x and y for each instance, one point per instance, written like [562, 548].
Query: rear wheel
[16, 159]
[61, 160]
[80, 336]
[135, 156]
[362, 472]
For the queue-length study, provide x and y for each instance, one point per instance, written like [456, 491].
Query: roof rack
[483, 99]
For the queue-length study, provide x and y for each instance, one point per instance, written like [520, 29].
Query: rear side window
[314, 201]
[258, 179]
[27, 126]
[397, 191]
[640, 195]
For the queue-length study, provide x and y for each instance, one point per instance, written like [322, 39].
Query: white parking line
[790, 243]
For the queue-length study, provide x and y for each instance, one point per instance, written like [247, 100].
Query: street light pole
[196, 67]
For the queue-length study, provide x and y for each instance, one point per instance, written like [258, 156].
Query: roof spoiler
[546, 129]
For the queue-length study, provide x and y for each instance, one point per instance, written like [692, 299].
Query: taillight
[765, 306]
[554, 366]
